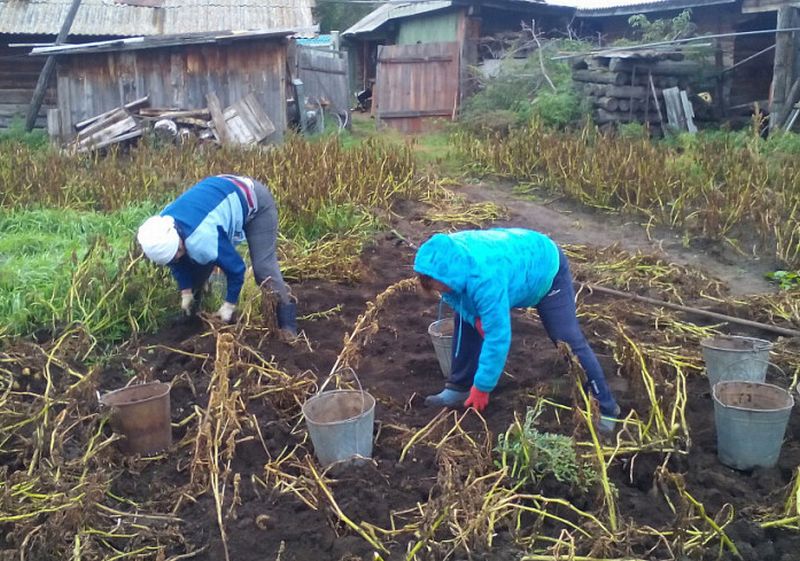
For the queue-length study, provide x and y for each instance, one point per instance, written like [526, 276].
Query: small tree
[679, 27]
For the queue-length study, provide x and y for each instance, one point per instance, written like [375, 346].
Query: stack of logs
[626, 86]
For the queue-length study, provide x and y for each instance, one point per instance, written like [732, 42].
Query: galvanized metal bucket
[441, 334]
[733, 358]
[340, 424]
[751, 421]
[141, 414]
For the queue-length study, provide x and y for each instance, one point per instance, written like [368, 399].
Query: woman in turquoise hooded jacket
[482, 274]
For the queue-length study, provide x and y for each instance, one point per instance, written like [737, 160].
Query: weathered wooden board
[247, 122]
[416, 84]
[175, 77]
[18, 76]
[326, 76]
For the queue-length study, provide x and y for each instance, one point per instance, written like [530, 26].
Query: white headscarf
[159, 239]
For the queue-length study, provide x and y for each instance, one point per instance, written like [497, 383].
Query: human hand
[187, 299]
[477, 399]
[225, 312]
[479, 327]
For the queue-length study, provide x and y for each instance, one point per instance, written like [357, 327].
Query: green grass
[43, 253]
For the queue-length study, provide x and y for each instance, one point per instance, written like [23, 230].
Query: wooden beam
[49, 66]
[783, 67]
[217, 117]
[135, 104]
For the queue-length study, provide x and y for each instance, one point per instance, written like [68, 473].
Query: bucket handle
[353, 372]
[793, 382]
[334, 373]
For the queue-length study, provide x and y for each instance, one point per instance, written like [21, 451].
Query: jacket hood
[445, 260]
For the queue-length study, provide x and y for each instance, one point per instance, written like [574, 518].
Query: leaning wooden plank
[115, 129]
[115, 116]
[115, 140]
[672, 103]
[255, 117]
[688, 112]
[132, 105]
[238, 129]
[217, 117]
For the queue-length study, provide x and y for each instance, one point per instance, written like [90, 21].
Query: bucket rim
[434, 333]
[165, 385]
[763, 344]
[366, 411]
[790, 405]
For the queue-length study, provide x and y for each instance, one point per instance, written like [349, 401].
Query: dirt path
[572, 223]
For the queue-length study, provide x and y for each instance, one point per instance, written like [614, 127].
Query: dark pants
[559, 317]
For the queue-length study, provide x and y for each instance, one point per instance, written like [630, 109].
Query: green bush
[663, 29]
[559, 109]
[520, 91]
[531, 455]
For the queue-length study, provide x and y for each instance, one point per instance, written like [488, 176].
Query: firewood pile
[242, 123]
[638, 86]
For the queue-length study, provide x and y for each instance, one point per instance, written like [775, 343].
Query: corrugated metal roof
[597, 8]
[159, 41]
[109, 17]
[387, 12]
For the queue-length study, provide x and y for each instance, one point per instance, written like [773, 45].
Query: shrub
[532, 455]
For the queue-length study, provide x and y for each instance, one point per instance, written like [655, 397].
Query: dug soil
[399, 368]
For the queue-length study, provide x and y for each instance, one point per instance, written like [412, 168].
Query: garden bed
[398, 367]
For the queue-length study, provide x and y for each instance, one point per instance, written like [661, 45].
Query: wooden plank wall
[18, 75]
[416, 84]
[326, 75]
[175, 77]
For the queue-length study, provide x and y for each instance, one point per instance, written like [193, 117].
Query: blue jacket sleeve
[182, 272]
[491, 301]
[232, 264]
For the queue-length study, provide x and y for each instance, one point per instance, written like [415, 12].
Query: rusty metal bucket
[141, 414]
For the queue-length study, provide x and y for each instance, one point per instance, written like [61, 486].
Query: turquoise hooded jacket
[489, 272]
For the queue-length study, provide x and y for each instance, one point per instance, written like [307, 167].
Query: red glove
[477, 399]
[479, 327]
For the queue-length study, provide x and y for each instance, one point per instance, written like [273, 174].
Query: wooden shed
[418, 54]
[173, 72]
[28, 23]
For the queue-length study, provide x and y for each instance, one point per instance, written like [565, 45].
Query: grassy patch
[716, 186]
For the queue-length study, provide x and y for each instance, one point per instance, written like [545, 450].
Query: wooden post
[784, 65]
[49, 67]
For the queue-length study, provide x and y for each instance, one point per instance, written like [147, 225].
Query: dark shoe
[447, 398]
[287, 318]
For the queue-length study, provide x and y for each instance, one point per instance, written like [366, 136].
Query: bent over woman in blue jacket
[482, 274]
[200, 230]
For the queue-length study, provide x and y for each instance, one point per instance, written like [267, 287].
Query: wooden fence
[325, 76]
[416, 84]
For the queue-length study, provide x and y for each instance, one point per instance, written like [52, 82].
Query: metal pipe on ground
[786, 332]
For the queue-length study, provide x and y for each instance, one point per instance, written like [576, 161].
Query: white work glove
[225, 312]
[187, 299]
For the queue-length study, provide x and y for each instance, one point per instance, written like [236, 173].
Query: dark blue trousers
[559, 318]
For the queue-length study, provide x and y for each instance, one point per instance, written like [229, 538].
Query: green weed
[531, 455]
